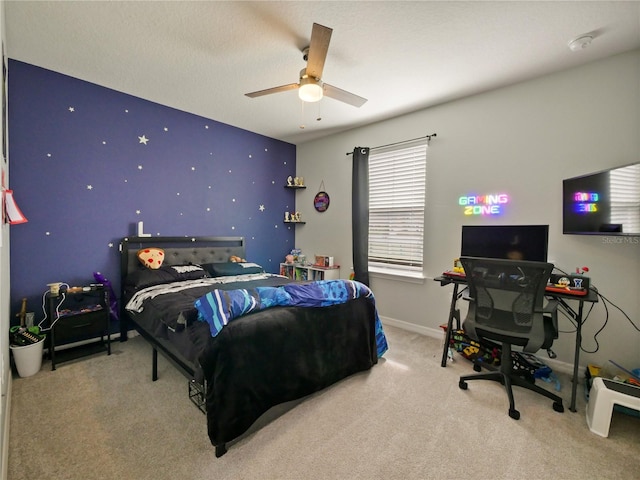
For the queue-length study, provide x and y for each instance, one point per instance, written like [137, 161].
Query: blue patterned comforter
[219, 307]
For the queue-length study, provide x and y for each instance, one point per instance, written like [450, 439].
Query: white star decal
[143, 139]
[166, 129]
[71, 109]
[89, 187]
[139, 167]
[261, 208]
[137, 212]
[110, 245]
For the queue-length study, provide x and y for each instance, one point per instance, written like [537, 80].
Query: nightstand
[78, 315]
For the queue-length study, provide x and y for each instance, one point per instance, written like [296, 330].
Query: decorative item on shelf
[321, 200]
[289, 258]
[296, 252]
[293, 217]
[295, 182]
[323, 261]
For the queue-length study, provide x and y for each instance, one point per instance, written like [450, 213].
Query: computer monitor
[515, 242]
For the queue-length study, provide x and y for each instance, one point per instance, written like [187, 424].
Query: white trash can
[28, 358]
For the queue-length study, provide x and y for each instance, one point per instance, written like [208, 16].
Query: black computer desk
[562, 299]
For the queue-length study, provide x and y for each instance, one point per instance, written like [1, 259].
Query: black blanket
[282, 354]
[267, 357]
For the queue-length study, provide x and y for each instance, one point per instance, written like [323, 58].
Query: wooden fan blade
[269, 91]
[343, 96]
[318, 48]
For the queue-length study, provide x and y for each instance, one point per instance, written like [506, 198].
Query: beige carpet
[102, 418]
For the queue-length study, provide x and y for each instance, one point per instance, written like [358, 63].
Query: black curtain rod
[398, 143]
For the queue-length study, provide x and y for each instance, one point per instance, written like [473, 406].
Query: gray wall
[523, 140]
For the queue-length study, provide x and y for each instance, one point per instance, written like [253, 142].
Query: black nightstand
[79, 315]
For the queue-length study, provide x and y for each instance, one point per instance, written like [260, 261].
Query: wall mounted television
[515, 242]
[602, 203]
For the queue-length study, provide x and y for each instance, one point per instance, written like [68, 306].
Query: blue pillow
[232, 268]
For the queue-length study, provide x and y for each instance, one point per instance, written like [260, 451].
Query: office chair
[506, 299]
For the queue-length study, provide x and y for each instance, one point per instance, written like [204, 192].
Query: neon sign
[484, 204]
[586, 202]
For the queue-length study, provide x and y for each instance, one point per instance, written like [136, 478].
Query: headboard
[180, 250]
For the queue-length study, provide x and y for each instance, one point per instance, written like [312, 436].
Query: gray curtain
[360, 214]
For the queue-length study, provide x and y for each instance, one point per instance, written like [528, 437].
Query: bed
[245, 339]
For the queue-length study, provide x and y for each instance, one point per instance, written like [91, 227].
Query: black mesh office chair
[507, 307]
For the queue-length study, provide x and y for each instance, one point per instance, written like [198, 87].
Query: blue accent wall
[88, 163]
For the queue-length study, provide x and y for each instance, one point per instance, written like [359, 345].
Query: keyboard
[452, 274]
[551, 288]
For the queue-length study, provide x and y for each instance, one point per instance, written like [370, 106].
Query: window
[397, 180]
[625, 197]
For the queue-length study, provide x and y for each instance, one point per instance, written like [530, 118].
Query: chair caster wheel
[463, 385]
[477, 367]
[557, 406]
[515, 414]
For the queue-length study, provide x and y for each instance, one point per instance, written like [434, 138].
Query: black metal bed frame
[178, 251]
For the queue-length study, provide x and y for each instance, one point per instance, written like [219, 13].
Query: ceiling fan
[311, 88]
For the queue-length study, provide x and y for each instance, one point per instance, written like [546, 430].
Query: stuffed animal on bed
[151, 257]
[236, 259]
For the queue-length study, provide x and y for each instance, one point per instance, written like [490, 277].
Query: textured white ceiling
[203, 56]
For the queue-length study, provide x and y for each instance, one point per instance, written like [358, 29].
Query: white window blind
[625, 197]
[397, 184]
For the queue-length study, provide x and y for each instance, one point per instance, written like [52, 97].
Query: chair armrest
[551, 309]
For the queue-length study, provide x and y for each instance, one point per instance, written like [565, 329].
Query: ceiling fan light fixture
[310, 89]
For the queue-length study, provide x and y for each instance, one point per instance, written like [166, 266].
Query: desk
[562, 299]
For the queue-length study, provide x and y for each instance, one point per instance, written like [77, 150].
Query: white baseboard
[412, 327]
[4, 462]
[438, 333]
